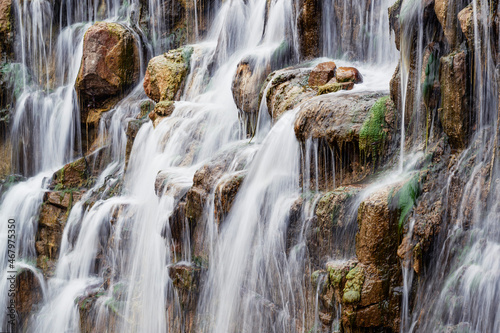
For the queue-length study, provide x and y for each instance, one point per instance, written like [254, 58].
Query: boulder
[348, 74]
[225, 193]
[247, 84]
[446, 13]
[285, 89]
[335, 121]
[455, 112]
[110, 63]
[165, 75]
[28, 295]
[322, 73]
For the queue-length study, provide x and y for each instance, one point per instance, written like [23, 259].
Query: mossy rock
[352, 290]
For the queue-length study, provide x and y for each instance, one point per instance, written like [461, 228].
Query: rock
[332, 231]
[335, 122]
[72, 175]
[247, 84]
[309, 28]
[377, 238]
[52, 219]
[466, 19]
[446, 13]
[394, 22]
[28, 295]
[334, 87]
[225, 193]
[165, 75]
[6, 30]
[285, 89]
[352, 290]
[322, 73]
[110, 63]
[455, 112]
[348, 74]
[133, 128]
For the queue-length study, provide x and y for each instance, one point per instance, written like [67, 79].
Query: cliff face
[397, 186]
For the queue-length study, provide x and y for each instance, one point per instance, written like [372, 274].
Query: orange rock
[348, 74]
[322, 73]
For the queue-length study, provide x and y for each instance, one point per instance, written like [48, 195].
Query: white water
[253, 283]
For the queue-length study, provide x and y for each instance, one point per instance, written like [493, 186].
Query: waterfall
[207, 219]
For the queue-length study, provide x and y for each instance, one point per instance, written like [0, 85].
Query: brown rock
[466, 19]
[322, 73]
[377, 238]
[164, 79]
[446, 13]
[72, 175]
[455, 112]
[348, 74]
[110, 62]
[28, 295]
[334, 87]
[246, 85]
[225, 193]
[309, 28]
[285, 89]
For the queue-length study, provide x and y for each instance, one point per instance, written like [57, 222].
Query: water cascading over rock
[194, 166]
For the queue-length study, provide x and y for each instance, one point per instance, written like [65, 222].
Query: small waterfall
[359, 30]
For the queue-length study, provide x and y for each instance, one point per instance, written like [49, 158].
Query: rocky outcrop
[309, 28]
[165, 75]
[110, 66]
[6, 30]
[250, 74]
[455, 113]
[285, 89]
[355, 115]
[322, 73]
[110, 63]
[28, 295]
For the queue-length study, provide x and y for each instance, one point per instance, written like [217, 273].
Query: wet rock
[6, 30]
[250, 74]
[162, 110]
[285, 89]
[336, 122]
[377, 238]
[225, 193]
[165, 75]
[322, 73]
[394, 22]
[446, 13]
[455, 113]
[309, 28]
[110, 63]
[332, 231]
[72, 175]
[28, 295]
[466, 19]
[133, 128]
[348, 74]
[334, 87]
[52, 219]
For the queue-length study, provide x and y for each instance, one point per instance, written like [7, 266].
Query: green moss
[406, 198]
[352, 290]
[329, 88]
[372, 135]
[13, 76]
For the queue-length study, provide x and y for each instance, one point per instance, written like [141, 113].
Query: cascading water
[132, 240]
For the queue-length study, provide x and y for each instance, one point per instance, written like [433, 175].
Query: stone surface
[72, 175]
[455, 112]
[309, 28]
[164, 79]
[322, 73]
[246, 85]
[348, 74]
[110, 63]
[285, 89]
